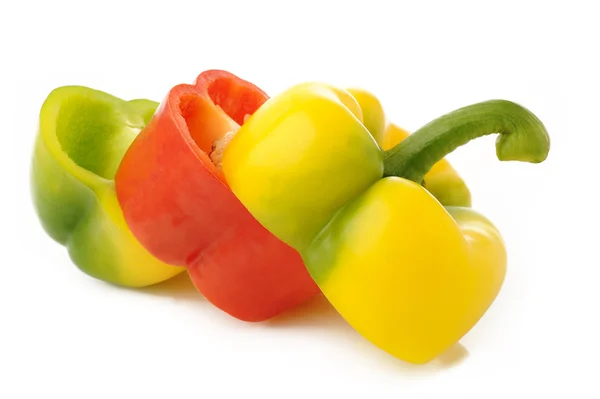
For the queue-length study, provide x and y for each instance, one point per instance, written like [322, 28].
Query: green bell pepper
[83, 135]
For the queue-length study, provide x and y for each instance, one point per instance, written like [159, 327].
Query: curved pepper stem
[522, 137]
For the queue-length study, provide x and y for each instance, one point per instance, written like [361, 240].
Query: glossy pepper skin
[408, 274]
[82, 136]
[177, 202]
[442, 180]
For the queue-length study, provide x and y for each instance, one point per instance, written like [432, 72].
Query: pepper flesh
[82, 136]
[177, 202]
[390, 258]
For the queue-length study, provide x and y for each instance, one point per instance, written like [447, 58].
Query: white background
[63, 334]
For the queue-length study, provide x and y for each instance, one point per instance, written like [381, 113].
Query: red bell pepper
[178, 205]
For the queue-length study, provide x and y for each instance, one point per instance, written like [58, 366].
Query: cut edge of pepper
[211, 111]
[48, 119]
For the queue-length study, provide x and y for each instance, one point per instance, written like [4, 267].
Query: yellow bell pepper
[407, 273]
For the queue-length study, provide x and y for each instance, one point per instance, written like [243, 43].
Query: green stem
[522, 137]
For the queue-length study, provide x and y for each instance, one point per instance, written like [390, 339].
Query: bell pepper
[82, 136]
[442, 180]
[177, 203]
[407, 273]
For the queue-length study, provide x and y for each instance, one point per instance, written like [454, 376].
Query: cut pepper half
[179, 206]
[83, 134]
